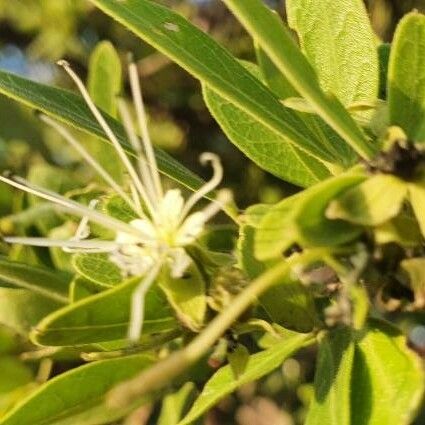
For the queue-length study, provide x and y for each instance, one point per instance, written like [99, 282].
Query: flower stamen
[92, 246]
[111, 136]
[138, 303]
[135, 142]
[136, 91]
[87, 157]
[73, 207]
[207, 187]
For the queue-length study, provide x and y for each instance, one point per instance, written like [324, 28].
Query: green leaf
[116, 207]
[373, 202]
[338, 40]
[14, 374]
[103, 317]
[274, 38]
[42, 281]
[80, 289]
[21, 309]
[98, 268]
[199, 54]
[78, 396]
[388, 379]
[331, 401]
[301, 219]
[267, 149]
[104, 79]
[223, 381]
[287, 302]
[104, 83]
[187, 296]
[313, 124]
[275, 232]
[273, 77]
[245, 245]
[16, 382]
[417, 199]
[290, 304]
[406, 77]
[71, 109]
[174, 405]
[402, 229]
[314, 229]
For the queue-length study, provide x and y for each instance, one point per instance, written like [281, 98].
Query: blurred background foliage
[36, 33]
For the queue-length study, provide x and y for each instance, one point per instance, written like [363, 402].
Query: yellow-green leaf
[371, 203]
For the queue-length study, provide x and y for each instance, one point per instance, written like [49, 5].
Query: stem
[164, 371]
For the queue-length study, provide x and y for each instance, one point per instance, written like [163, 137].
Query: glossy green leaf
[71, 109]
[98, 268]
[301, 219]
[373, 202]
[406, 77]
[388, 378]
[313, 124]
[42, 281]
[267, 149]
[21, 309]
[338, 40]
[187, 296]
[274, 38]
[103, 317]
[209, 62]
[78, 396]
[417, 199]
[223, 381]
[273, 77]
[174, 405]
[331, 401]
[104, 83]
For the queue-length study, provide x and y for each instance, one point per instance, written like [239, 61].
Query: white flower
[165, 223]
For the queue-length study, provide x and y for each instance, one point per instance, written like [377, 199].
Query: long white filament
[224, 197]
[74, 207]
[135, 142]
[138, 303]
[87, 157]
[207, 187]
[101, 120]
[136, 91]
[105, 246]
